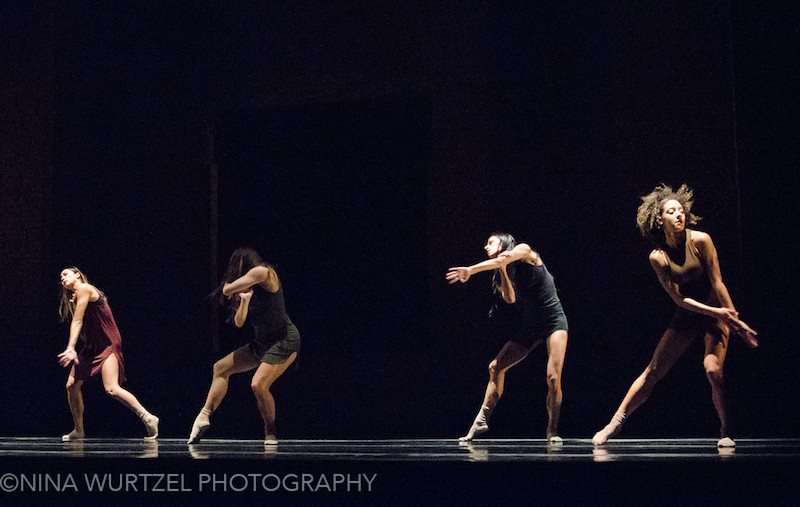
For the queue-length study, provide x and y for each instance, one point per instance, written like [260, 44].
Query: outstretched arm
[81, 297]
[462, 274]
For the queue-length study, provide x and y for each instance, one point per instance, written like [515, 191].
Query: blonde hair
[66, 305]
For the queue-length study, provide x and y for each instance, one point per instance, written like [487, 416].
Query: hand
[745, 332]
[460, 274]
[68, 356]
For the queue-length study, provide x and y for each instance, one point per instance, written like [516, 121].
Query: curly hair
[648, 217]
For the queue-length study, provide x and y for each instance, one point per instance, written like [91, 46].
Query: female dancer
[686, 264]
[101, 354]
[252, 291]
[521, 276]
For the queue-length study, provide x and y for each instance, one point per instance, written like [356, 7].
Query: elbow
[509, 299]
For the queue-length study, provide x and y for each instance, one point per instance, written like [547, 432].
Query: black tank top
[534, 284]
[267, 311]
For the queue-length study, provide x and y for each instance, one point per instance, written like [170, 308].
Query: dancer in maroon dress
[101, 354]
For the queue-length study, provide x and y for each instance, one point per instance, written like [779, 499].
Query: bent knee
[220, 369]
[112, 391]
[553, 380]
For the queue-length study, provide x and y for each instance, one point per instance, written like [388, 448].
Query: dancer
[101, 354]
[252, 291]
[521, 277]
[686, 264]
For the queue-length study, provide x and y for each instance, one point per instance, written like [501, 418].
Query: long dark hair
[242, 260]
[66, 303]
[507, 242]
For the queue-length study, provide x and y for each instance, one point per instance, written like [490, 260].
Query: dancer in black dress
[521, 278]
[253, 292]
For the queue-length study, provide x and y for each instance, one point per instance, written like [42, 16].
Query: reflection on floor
[427, 450]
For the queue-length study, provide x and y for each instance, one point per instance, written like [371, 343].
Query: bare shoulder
[268, 276]
[658, 258]
[702, 241]
[261, 273]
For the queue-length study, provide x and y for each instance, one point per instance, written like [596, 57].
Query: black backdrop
[365, 150]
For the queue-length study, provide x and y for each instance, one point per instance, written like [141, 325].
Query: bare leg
[75, 400]
[716, 347]
[238, 361]
[672, 345]
[265, 375]
[110, 374]
[511, 354]
[556, 351]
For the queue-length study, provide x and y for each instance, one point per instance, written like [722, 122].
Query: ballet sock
[150, 422]
[270, 440]
[72, 435]
[555, 440]
[200, 425]
[479, 425]
[610, 430]
[726, 442]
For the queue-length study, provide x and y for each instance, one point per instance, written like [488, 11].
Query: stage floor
[417, 450]
[38, 471]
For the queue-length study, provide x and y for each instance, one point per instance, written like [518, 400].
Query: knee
[713, 371]
[71, 386]
[112, 391]
[553, 381]
[493, 368]
[219, 369]
[259, 387]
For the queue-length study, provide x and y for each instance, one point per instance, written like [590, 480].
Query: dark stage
[367, 472]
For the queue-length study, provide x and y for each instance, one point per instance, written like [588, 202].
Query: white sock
[72, 435]
[726, 442]
[151, 423]
[610, 430]
[479, 425]
[200, 425]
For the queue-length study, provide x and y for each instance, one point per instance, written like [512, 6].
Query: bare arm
[81, 296]
[241, 311]
[506, 287]
[256, 275]
[731, 317]
[462, 274]
[725, 313]
[660, 266]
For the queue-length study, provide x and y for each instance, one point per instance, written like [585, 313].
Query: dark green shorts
[278, 351]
